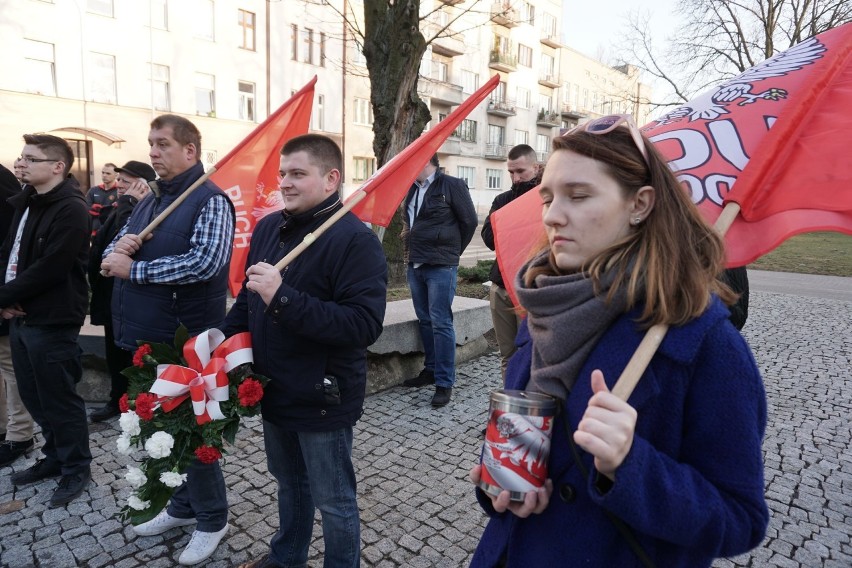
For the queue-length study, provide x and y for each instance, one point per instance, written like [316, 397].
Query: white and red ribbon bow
[205, 381]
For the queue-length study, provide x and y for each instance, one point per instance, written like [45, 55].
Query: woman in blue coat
[674, 475]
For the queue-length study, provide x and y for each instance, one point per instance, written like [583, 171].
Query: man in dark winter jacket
[526, 174]
[132, 186]
[438, 224]
[311, 325]
[45, 297]
[16, 424]
[177, 276]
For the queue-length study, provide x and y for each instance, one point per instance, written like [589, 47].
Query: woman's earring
[637, 220]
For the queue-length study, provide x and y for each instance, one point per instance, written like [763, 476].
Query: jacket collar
[181, 181]
[69, 187]
[331, 203]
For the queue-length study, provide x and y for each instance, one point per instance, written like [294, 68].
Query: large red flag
[249, 173]
[774, 140]
[387, 187]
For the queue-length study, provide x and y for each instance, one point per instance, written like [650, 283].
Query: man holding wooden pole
[175, 275]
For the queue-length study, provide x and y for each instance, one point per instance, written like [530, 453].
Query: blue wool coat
[691, 487]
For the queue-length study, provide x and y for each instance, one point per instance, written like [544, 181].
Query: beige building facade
[97, 71]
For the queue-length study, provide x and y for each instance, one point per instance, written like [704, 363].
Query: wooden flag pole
[309, 239]
[654, 336]
[174, 204]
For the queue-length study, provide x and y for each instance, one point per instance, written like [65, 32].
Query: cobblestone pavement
[417, 507]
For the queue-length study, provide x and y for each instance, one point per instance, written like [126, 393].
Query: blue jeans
[202, 497]
[433, 288]
[313, 470]
[48, 368]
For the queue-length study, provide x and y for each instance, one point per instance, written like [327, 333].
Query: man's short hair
[183, 131]
[110, 165]
[434, 160]
[53, 147]
[322, 151]
[522, 150]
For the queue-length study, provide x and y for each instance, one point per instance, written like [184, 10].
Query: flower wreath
[183, 401]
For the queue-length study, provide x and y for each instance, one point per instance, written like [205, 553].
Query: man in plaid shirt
[177, 275]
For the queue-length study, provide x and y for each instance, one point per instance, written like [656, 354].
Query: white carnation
[123, 444]
[172, 479]
[129, 422]
[159, 445]
[135, 477]
[136, 503]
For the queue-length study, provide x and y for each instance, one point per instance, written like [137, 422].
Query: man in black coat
[526, 174]
[45, 296]
[438, 224]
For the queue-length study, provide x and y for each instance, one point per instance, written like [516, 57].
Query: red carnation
[250, 392]
[138, 357]
[207, 454]
[123, 403]
[145, 403]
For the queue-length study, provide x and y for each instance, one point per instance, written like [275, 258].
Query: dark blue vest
[153, 312]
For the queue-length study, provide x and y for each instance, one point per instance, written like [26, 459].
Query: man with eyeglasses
[132, 187]
[102, 198]
[45, 296]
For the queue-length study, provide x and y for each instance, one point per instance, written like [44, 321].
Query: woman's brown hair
[674, 253]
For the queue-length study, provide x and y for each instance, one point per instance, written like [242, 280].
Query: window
[158, 13]
[549, 25]
[363, 112]
[499, 92]
[322, 49]
[246, 22]
[522, 137]
[440, 71]
[502, 45]
[547, 66]
[40, 70]
[496, 134]
[545, 102]
[469, 81]
[523, 97]
[566, 93]
[246, 91]
[102, 7]
[494, 178]
[542, 143]
[364, 168]
[307, 54]
[585, 99]
[468, 174]
[205, 94]
[467, 131]
[204, 19]
[318, 114]
[528, 13]
[294, 42]
[101, 78]
[160, 98]
[525, 55]
[358, 58]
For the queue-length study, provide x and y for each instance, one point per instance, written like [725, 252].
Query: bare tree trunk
[394, 47]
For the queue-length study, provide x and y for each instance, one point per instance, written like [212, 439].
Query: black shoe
[110, 410]
[41, 469]
[70, 487]
[442, 396]
[426, 377]
[10, 450]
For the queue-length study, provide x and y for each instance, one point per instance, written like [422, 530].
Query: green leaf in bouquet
[181, 337]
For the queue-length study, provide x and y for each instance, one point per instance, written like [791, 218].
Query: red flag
[249, 173]
[774, 140]
[388, 186]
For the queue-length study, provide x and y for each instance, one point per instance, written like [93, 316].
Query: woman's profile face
[584, 209]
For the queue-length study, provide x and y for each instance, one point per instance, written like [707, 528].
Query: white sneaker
[201, 546]
[160, 524]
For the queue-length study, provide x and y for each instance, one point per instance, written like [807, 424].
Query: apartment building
[97, 71]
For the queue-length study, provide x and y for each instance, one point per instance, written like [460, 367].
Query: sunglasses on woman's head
[609, 123]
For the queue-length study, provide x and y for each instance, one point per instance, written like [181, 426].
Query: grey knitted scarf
[565, 318]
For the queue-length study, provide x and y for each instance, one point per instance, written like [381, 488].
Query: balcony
[548, 118]
[548, 80]
[496, 151]
[451, 146]
[440, 91]
[448, 43]
[503, 14]
[571, 111]
[503, 107]
[501, 61]
[550, 38]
